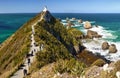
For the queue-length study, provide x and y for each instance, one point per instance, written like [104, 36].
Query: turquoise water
[110, 22]
[9, 23]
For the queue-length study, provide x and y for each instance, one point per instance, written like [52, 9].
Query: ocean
[109, 25]
[9, 23]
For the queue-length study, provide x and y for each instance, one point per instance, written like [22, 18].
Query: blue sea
[9, 23]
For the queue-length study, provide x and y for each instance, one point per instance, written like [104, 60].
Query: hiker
[24, 72]
[34, 44]
[41, 47]
[34, 50]
[28, 61]
[27, 55]
[31, 53]
[31, 45]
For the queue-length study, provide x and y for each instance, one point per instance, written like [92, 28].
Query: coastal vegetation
[58, 45]
[12, 53]
[15, 48]
[56, 40]
[71, 66]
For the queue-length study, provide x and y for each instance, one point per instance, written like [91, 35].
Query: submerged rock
[87, 25]
[112, 48]
[105, 45]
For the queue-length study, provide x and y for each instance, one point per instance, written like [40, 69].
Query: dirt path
[34, 49]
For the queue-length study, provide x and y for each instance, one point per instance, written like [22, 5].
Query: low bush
[71, 66]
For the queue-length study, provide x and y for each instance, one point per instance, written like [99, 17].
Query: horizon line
[60, 12]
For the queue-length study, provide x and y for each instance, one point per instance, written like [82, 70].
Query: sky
[60, 6]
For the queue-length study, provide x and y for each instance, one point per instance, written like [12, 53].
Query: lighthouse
[45, 9]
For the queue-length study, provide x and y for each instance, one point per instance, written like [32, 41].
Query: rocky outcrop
[112, 48]
[87, 25]
[81, 37]
[93, 34]
[46, 15]
[93, 72]
[69, 23]
[67, 19]
[105, 45]
[107, 71]
[73, 19]
[77, 49]
[80, 21]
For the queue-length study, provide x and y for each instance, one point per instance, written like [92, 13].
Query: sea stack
[93, 34]
[87, 25]
[112, 48]
[69, 23]
[105, 45]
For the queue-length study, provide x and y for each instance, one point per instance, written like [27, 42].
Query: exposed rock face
[73, 19]
[87, 25]
[70, 24]
[87, 57]
[93, 72]
[105, 45]
[93, 34]
[80, 37]
[99, 62]
[112, 48]
[77, 48]
[46, 15]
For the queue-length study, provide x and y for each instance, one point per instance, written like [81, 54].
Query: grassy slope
[60, 32]
[14, 49]
[57, 46]
[53, 48]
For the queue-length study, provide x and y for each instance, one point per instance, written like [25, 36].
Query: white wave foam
[95, 47]
[106, 34]
[95, 44]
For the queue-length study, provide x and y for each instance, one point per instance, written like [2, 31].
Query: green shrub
[71, 66]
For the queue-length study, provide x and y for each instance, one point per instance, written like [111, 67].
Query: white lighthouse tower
[45, 9]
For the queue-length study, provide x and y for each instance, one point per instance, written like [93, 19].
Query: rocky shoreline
[102, 65]
[92, 34]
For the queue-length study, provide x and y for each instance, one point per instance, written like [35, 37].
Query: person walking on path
[34, 50]
[25, 72]
[31, 53]
[41, 47]
[28, 61]
[27, 55]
